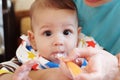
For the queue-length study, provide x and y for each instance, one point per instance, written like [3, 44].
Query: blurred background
[14, 21]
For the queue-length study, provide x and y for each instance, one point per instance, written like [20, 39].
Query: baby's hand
[22, 72]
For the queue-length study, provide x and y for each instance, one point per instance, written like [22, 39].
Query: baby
[54, 32]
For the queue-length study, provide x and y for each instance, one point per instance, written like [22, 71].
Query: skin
[96, 3]
[55, 31]
[118, 56]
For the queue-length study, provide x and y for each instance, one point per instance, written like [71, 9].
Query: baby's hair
[54, 4]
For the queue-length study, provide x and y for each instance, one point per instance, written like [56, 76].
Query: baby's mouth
[60, 55]
[55, 57]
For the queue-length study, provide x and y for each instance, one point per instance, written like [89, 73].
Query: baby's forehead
[55, 4]
[54, 16]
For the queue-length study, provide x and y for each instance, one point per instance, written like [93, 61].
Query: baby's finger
[22, 72]
[26, 66]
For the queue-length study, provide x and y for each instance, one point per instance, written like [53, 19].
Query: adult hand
[101, 64]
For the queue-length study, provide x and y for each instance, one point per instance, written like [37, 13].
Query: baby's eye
[66, 32]
[47, 33]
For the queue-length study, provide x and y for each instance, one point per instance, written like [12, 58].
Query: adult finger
[82, 53]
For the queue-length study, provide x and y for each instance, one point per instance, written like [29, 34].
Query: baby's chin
[56, 61]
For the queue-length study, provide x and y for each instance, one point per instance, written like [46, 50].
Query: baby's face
[95, 3]
[55, 32]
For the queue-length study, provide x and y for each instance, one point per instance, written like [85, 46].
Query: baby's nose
[58, 41]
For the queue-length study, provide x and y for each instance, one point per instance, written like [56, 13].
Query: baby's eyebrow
[44, 26]
[68, 25]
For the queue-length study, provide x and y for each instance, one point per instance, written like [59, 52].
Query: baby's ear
[32, 39]
[79, 29]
